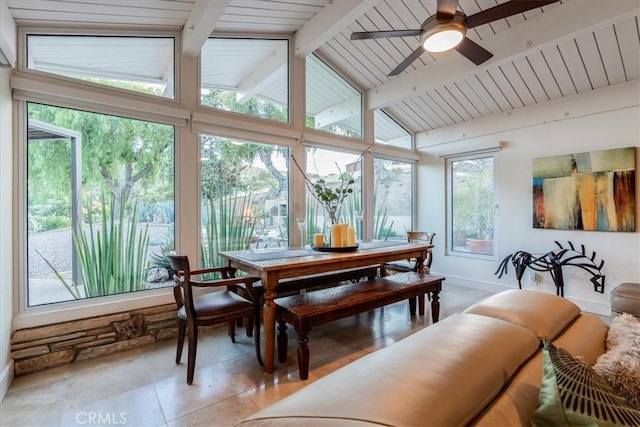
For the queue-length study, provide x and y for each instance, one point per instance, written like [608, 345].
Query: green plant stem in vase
[331, 199]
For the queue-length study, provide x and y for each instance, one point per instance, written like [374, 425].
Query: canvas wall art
[586, 191]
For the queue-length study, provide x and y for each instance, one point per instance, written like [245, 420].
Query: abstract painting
[586, 191]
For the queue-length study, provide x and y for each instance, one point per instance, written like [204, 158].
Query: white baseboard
[474, 284]
[6, 378]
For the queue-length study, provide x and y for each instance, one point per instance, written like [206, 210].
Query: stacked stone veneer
[47, 346]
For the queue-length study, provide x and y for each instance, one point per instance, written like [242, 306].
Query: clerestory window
[247, 76]
[139, 64]
[332, 103]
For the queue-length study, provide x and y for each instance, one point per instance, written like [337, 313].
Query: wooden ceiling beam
[332, 19]
[202, 19]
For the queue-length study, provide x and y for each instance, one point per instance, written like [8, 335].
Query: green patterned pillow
[573, 394]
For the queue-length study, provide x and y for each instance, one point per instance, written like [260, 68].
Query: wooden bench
[326, 305]
[312, 282]
[294, 285]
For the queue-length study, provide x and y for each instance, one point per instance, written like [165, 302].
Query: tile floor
[144, 387]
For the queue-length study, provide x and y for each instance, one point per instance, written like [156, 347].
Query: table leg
[435, 305]
[269, 322]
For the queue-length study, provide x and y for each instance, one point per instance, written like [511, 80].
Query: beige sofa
[482, 367]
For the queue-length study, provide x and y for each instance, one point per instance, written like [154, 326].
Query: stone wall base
[43, 347]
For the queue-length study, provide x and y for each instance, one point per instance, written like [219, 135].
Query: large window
[393, 199]
[472, 207]
[100, 204]
[245, 196]
[139, 64]
[108, 137]
[333, 104]
[246, 76]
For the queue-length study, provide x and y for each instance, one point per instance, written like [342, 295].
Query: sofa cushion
[572, 393]
[444, 374]
[546, 315]
[515, 404]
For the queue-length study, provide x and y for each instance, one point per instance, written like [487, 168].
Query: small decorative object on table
[318, 239]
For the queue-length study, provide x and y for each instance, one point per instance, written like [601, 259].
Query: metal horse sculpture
[553, 262]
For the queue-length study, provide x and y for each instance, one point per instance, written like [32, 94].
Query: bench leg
[249, 326]
[435, 306]
[421, 305]
[412, 306]
[303, 356]
[282, 341]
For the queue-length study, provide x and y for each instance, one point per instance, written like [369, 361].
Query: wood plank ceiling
[547, 53]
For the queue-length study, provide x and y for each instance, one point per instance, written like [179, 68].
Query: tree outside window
[244, 201]
[100, 203]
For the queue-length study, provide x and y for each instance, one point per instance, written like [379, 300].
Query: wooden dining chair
[223, 306]
[411, 264]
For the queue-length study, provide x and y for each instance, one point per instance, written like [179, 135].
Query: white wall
[602, 119]
[6, 238]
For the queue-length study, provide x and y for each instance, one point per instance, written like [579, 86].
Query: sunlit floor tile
[227, 412]
[138, 407]
[211, 384]
[40, 405]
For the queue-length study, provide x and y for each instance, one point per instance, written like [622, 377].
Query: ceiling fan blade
[504, 10]
[473, 51]
[407, 61]
[446, 9]
[364, 35]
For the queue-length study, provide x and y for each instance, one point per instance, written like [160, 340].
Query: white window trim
[74, 96]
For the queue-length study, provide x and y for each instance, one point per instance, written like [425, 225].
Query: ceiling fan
[448, 27]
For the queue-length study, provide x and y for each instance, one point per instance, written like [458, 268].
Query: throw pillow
[620, 364]
[573, 394]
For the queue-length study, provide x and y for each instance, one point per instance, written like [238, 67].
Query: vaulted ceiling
[567, 47]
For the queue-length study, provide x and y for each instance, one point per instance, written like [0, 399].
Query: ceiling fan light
[443, 40]
[441, 35]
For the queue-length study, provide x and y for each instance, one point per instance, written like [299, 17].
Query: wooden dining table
[273, 264]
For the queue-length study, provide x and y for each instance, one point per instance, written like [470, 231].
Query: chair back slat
[182, 291]
[420, 236]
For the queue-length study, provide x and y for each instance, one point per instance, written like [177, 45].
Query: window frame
[483, 154]
[90, 306]
[22, 65]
